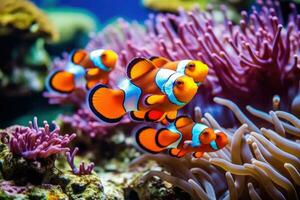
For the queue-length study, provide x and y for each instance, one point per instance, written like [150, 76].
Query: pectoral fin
[198, 154]
[183, 121]
[78, 56]
[171, 116]
[179, 153]
[155, 99]
[93, 72]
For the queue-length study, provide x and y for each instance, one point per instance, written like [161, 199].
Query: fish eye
[191, 65]
[205, 133]
[179, 83]
[103, 56]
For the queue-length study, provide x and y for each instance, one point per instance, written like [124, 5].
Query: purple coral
[11, 189]
[85, 122]
[82, 169]
[34, 142]
[259, 56]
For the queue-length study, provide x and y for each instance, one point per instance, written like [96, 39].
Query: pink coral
[82, 170]
[259, 56]
[85, 122]
[33, 142]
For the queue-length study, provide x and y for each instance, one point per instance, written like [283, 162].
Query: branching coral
[33, 142]
[261, 50]
[258, 162]
[82, 169]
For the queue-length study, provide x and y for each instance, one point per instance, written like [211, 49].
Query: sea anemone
[259, 57]
[34, 142]
[259, 162]
[82, 170]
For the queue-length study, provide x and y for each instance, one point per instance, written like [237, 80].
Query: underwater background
[150, 99]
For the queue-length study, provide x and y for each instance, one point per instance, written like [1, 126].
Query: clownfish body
[181, 137]
[83, 69]
[99, 63]
[150, 93]
[192, 68]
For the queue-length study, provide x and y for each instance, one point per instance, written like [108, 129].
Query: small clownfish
[67, 79]
[83, 69]
[99, 63]
[192, 68]
[149, 93]
[181, 137]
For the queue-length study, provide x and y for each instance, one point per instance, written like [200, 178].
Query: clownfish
[83, 68]
[99, 63]
[192, 68]
[149, 93]
[181, 137]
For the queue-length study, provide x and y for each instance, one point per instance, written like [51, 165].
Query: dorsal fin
[139, 67]
[159, 61]
[78, 56]
[183, 121]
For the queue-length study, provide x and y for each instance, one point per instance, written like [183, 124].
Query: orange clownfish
[99, 63]
[150, 93]
[192, 68]
[181, 137]
[83, 69]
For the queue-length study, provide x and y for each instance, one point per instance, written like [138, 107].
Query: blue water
[105, 10]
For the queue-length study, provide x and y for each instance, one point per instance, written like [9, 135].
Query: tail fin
[61, 81]
[106, 103]
[146, 139]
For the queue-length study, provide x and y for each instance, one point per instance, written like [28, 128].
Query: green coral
[173, 5]
[24, 16]
[85, 23]
[82, 187]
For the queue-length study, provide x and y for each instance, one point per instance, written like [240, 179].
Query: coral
[83, 121]
[261, 50]
[82, 169]
[82, 187]
[24, 17]
[64, 17]
[173, 6]
[23, 171]
[23, 31]
[29, 153]
[8, 190]
[260, 162]
[34, 142]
